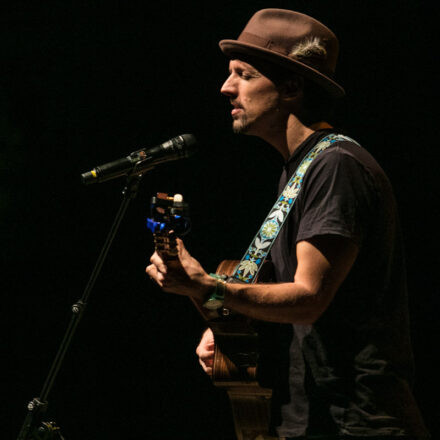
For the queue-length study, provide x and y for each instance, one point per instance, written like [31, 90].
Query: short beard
[240, 126]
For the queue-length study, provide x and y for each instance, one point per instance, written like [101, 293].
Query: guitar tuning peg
[178, 198]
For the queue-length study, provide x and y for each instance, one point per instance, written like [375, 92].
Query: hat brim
[233, 47]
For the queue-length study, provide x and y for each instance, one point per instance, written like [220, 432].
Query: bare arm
[323, 263]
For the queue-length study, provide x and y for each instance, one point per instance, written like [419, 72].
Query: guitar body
[235, 364]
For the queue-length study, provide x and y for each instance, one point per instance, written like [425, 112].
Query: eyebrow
[248, 67]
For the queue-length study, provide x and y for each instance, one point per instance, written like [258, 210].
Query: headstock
[169, 219]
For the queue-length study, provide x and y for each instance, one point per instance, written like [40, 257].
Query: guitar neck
[166, 245]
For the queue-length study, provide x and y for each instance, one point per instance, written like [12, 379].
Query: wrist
[206, 285]
[216, 296]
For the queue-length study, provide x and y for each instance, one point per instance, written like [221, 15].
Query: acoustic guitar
[236, 338]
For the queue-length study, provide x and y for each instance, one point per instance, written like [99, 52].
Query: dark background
[87, 82]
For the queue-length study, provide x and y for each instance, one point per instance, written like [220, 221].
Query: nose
[229, 88]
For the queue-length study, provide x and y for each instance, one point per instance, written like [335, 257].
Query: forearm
[280, 302]
[323, 264]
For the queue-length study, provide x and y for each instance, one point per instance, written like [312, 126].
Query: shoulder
[336, 146]
[344, 169]
[342, 152]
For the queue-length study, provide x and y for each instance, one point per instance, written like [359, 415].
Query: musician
[338, 352]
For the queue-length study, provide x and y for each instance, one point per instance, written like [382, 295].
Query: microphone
[143, 160]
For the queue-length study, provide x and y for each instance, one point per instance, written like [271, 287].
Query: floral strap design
[252, 261]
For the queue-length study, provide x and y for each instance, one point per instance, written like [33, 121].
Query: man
[338, 354]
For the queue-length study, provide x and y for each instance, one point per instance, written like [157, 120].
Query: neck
[295, 134]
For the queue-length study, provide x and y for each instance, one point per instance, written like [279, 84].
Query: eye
[244, 74]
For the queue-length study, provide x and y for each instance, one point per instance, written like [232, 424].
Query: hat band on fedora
[247, 37]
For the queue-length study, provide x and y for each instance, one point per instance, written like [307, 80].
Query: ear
[292, 88]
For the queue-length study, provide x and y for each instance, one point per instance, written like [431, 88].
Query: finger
[155, 275]
[208, 361]
[151, 270]
[158, 262]
[207, 337]
[206, 369]
[205, 348]
[148, 269]
[205, 354]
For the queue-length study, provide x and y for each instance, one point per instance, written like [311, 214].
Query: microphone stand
[33, 427]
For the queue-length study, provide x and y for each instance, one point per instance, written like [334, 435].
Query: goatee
[240, 126]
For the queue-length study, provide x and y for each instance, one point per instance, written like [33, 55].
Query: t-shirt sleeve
[336, 195]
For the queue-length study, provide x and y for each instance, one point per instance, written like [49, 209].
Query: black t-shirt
[350, 372]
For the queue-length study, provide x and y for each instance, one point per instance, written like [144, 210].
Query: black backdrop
[87, 82]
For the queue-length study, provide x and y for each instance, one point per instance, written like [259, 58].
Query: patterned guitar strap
[252, 261]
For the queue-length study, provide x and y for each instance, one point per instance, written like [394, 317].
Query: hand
[205, 351]
[183, 275]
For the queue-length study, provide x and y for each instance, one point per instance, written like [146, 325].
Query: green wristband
[217, 296]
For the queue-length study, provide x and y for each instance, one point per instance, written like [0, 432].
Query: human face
[254, 97]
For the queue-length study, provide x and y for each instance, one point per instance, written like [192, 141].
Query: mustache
[236, 104]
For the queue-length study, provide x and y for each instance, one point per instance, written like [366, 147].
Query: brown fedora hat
[292, 40]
